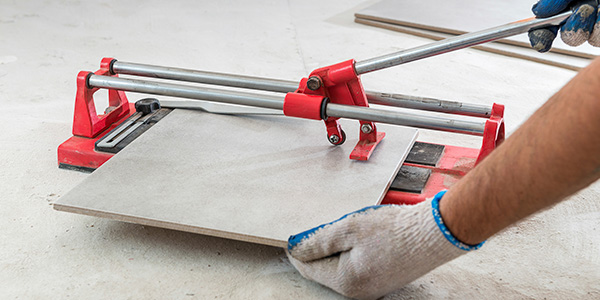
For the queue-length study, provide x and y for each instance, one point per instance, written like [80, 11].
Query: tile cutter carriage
[327, 94]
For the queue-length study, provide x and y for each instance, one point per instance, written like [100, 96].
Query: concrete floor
[49, 254]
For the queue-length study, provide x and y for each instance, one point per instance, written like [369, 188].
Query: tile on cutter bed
[252, 178]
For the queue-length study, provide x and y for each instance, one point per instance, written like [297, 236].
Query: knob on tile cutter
[147, 105]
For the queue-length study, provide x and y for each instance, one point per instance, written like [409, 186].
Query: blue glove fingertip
[583, 18]
[541, 39]
[548, 8]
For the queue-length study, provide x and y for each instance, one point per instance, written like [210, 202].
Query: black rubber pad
[425, 154]
[411, 179]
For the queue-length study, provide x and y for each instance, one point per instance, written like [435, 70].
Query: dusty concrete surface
[49, 254]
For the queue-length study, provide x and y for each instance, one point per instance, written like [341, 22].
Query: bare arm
[551, 156]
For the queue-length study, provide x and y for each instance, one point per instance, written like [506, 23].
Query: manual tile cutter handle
[456, 43]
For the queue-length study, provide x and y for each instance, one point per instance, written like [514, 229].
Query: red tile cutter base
[328, 94]
[79, 153]
[453, 164]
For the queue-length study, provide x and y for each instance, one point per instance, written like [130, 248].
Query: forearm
[551, 156]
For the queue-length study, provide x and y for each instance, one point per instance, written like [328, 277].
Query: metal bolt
[313, 83]
[366, 128]
[334, 139]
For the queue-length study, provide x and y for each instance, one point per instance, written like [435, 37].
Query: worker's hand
[583, 25]
[376, 250]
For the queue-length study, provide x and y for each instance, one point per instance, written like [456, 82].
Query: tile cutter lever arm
[455, 43]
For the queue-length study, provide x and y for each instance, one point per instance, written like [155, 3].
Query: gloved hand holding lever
[583, 25]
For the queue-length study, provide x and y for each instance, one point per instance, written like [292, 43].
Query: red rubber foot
[364, 149]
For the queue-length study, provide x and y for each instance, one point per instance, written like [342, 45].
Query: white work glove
[376, 250]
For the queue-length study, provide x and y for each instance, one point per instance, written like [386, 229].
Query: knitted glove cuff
[435, 208]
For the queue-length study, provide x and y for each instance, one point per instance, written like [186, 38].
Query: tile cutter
[327, 94]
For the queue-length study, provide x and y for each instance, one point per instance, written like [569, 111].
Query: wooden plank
[467, 16]
[252, 178]
[553, 59]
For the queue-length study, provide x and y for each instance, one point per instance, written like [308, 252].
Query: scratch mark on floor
[295, 37]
